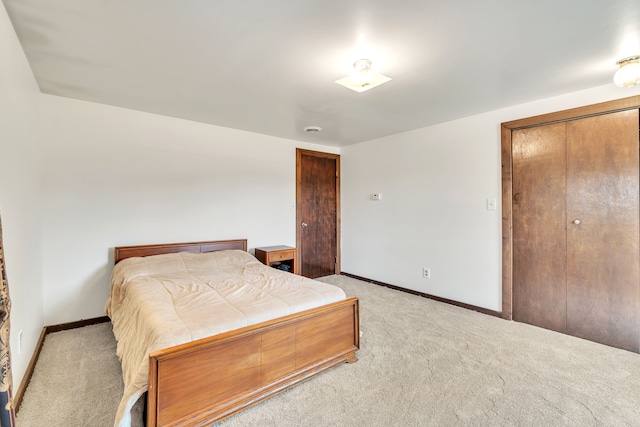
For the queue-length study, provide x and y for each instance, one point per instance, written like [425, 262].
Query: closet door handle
[303, 225]
[576, 221]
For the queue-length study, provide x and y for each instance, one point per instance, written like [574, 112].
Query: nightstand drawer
[282, 255]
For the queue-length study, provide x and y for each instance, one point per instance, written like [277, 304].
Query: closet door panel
[603, 259]
[539, 226]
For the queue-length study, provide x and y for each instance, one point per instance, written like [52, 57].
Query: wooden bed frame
[205, 381]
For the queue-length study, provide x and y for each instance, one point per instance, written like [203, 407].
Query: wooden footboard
[202, 382]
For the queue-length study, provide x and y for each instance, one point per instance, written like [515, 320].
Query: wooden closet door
[318, 207]
[603, 260]
[539, 226]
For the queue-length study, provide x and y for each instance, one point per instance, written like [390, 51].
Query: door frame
[630, 103]
[299, 153]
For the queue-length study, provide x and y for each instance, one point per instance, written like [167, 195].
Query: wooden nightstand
[269, 255]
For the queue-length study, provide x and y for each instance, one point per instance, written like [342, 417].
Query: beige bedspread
[165, 300]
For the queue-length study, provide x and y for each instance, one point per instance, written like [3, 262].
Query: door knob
[303, 225]
[576, 221]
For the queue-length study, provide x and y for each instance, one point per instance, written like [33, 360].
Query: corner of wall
[21, 195]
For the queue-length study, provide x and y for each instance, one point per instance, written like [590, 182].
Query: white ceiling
[270, 66]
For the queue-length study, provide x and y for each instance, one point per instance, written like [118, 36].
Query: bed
[204, 379]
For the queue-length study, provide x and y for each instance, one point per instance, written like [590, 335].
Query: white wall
[120, 177]
[20, 195]
[434, 183]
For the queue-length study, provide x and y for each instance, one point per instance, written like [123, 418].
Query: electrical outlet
[426, 273]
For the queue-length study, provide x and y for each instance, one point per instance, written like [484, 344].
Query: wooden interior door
[539, 226]
[603, 264]
[576, 262]
[318, 201]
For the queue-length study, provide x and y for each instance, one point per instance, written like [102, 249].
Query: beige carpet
[422, 363]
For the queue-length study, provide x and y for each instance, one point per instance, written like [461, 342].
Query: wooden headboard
[123, 252]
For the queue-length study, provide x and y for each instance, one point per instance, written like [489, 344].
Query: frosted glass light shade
[629, 73]
[364, 78]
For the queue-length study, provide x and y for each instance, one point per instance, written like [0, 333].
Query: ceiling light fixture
[629, 73]
[364, 78]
